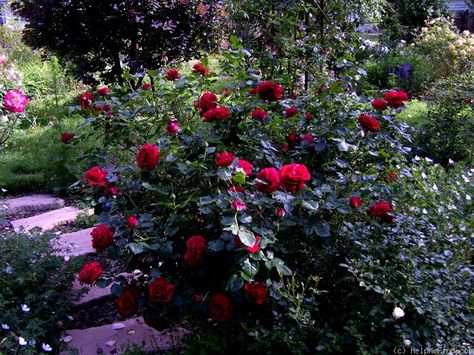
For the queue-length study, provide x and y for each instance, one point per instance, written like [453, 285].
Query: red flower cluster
[224, 159]
[160, 291]
[396, 99]
[90, 272]
[172, 74]
[216, 114]
[382, 211]
[195, 248]
[259, 114]
[269, 91]
[207, 102]
[220, 308]
[96, 176]
[148, 157]
[369, 123]
[200, 68]
[66, 137]
[256, 292]
[86, 99]
[102, 237]
[293, 177]
[268, 180]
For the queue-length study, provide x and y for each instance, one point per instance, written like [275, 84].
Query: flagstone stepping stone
[94, 293]
[75, 244]
[49, 220]
[115, 338]
[33, 203]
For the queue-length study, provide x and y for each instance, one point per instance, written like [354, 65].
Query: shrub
[97, 37]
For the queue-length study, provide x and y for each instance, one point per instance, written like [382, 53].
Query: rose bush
[232, 208]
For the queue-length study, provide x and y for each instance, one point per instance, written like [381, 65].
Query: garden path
[48, 212]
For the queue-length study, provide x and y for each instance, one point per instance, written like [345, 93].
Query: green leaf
[103, 283]
[322, 230]
[239, 178]
[138, 247]
[311, 205]
[116, 290]
[250, 268]
[247, 238]
[235, 283]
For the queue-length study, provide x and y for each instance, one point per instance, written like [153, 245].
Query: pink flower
[15, 101]
[86, 99]
[147, 86]
[245, 166]
[3, 59]
[173, 128]
[132, 221]
[280, 212]
[238, 205]
[103, 91]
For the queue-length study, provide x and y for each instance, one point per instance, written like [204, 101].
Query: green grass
[414, 113]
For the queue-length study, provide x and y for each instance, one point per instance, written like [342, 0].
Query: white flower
[5, 326]
[22, 341]
[25, 308]
[407, 342]
[398, 313]
[46, 347]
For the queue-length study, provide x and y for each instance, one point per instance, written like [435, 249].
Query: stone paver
[49, 220]
[33, 203]
[94, 293]
[75, 244]
[114, 341]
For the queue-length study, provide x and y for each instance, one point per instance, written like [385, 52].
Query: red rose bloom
[132, 221]
[254, 248]
[369, 123]
[96, 176]
[224, 159]
[195, 249]
[291, 137]
[269, 91]
[103, 91]
[256, 292]
[293, 177]
[308, 138]
[309, 116]
[381, 210]
[285, 147]
[259, 114]
[173, 128]
[268, 180]
[160, 291]
[86, 99]
[246, 166]
[379, 104]
[294, 95]
[111, 190]
[216, 114]
[291, 111]
[172, 74]
[102, 237]
[127, 304]
[148, 157]
[396, 99]
[207, 102]
[392, 177]
[90, 272]
[199, 68]
[66, 137]
[220, 308]
[147, 86]
[355, 201]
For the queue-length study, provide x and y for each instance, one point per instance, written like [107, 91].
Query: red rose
[293, 177]
[393, 176]
[198, 298]
[199, 68]
[254, 248]
[90, 272]
[280, 212]
[285, 147]
[86, 99]
[216, 114]
[291, 111]
[160, 291]
[309, 116]
[102, 237]
[96, 176]
[294, 95]
[148, 157]
[369, 123]
[66, 137]
[226, 91]
[396, 98]
[147, 86]
[111, 190]
[224, 159]
[268, 180]
[259, 114]
[256, 292]
[173, 128]
[103, 91]
[172, 74]
[207, 102]
[269, 91]
[355, 201]
[245, 166]
[127, 304]
[132, 221]
[195, 248]
[381, 210]
[291, 137]
[238, 205]
[103, 108]
[220, 308]
[308, 138]
[379, 104]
